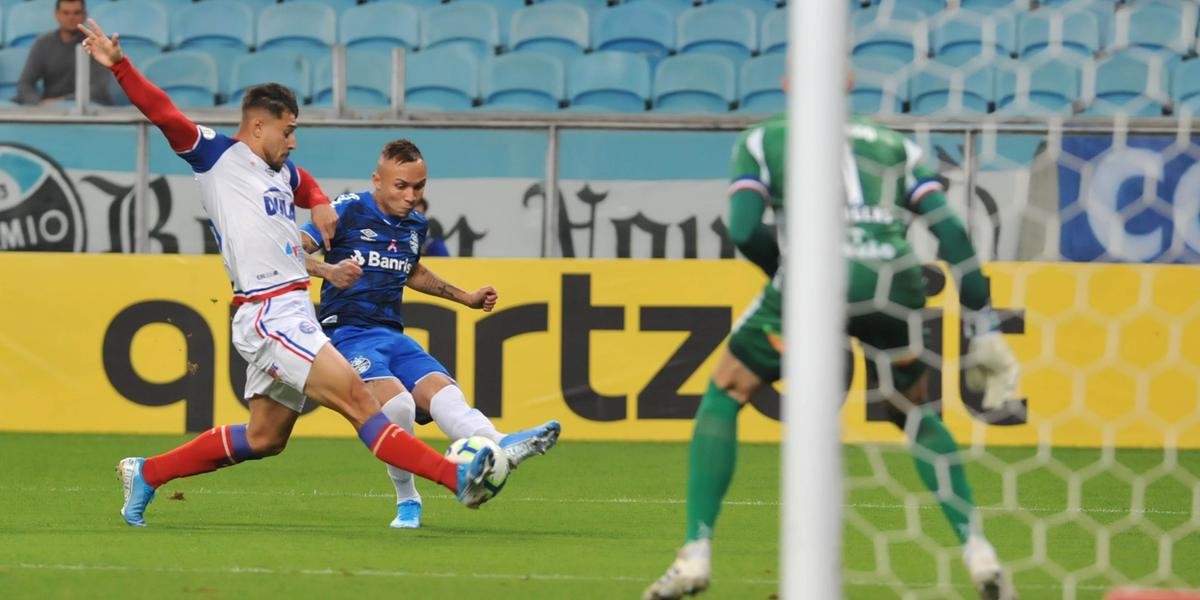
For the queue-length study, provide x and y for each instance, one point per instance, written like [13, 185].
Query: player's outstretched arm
[426, 281]
[181, 132]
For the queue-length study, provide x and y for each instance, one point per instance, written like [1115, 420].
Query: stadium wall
[140, 343]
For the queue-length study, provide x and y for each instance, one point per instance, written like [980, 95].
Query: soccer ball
[463, 451]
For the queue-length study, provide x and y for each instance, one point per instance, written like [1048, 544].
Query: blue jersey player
[382, 233]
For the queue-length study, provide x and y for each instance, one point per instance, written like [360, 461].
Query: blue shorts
[380, 352]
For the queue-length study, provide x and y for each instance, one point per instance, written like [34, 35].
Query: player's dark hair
[272, 97]
[58, 4]
[402, 151]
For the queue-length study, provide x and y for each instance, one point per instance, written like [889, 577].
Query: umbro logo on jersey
[368, 235]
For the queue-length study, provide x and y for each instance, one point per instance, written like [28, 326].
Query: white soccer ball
[463, 451]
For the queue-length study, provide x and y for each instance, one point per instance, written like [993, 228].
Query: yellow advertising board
[615, 349]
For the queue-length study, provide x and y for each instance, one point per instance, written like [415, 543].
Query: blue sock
[374, 426]
[240, 444]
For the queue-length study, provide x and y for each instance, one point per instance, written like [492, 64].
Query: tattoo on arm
[424, 280]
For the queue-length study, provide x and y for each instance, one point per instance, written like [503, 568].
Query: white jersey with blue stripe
[252, 212]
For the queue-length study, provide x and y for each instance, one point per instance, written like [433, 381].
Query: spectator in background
[434, 244]
[52, 61]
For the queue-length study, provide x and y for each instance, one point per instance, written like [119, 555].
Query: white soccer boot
[688, 575]
[990, 579]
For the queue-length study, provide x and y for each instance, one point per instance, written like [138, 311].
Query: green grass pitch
[589, 520]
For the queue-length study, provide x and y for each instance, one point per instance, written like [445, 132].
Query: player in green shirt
[886, 189]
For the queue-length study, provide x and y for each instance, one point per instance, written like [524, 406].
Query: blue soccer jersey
[387, 248]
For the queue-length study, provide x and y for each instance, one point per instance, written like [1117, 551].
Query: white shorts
[279, 338]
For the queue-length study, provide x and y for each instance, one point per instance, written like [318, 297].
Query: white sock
[401, 410]
[457, 419]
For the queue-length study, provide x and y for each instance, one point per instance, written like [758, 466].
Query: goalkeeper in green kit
[886, 189]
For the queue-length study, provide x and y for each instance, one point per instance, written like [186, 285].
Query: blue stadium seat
[758, 7]
[877, 64]
[380, 25]
[255, 5]
[12, 61]
[725, 29]
[559, 29]
[1045, 86]
[522, 81]
[878, 93]
[928, 8]
[1185, 87]
[1158, 26]
[990, 6]
[337, 5]
[774, 35]
[936, 89]
[645, 28]
[223, 29]
[691, 83]
[417, 4]
[675, 7]
[307, 28]
[27, 20]
[891, 30]
[591, 6]
[965, 36]
[505, 9]
[442, 79]
[189, 77]
[759, 84]
[470, 25]
[1129, 82]
[1080, 32]
[368, 79]
[609, 82]
[285, 67]
[143, 25]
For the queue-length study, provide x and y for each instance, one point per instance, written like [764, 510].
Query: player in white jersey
[250, 190]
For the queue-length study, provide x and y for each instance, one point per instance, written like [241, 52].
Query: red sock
[210, 451]
[396, 447]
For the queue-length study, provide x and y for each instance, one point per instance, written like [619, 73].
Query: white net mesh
[1088, 229]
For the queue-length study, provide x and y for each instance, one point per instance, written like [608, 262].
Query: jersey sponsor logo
[360, 364]
[275, 202]
[414, 242]
[375, 259]
[39, 209]
[368, 235]
[875, 215]
[207, 133]
[307, 327]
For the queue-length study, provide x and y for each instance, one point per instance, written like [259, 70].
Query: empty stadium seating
[442, 79]
[304, 27]
[609, 81]
[522, 81]
[368, 79]
[472, 26]
[645, 28]
[190, 77]
[12, 60]
[285, 67]
[759, 84]
[725, 29]
[691, 83]
[143, 24]
[560, 30]
[380, 25]
[25, 21]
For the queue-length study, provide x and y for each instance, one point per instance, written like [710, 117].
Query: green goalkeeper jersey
[886, 186]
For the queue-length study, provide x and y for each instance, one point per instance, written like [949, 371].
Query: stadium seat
[189, 77]
[878, 93]
[337, 5]
[929, 8]
[1079, 32]
[891, 30]
[645, 28]
[12, 61]
[380, 25]
[939, 90]
[675, 7]
[990, 6]
[522, 81]
[286, 67]
[470, 25]
[691, 83]
[966, 36]
[1185, 87]
[442, 79]
[1158, 26]
[591, 6]
[1132, 82]
[505, 9]
[223, 29]
[609, 82]
[143, 25]
[774, 34]
[759, 7]
[303, 27]
[725, 29]
[255, 5]
[1044, 86]
[558, 29]
[368, 79]
[877, 64]
[417, 4]
[759, 84]
[27, 20]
